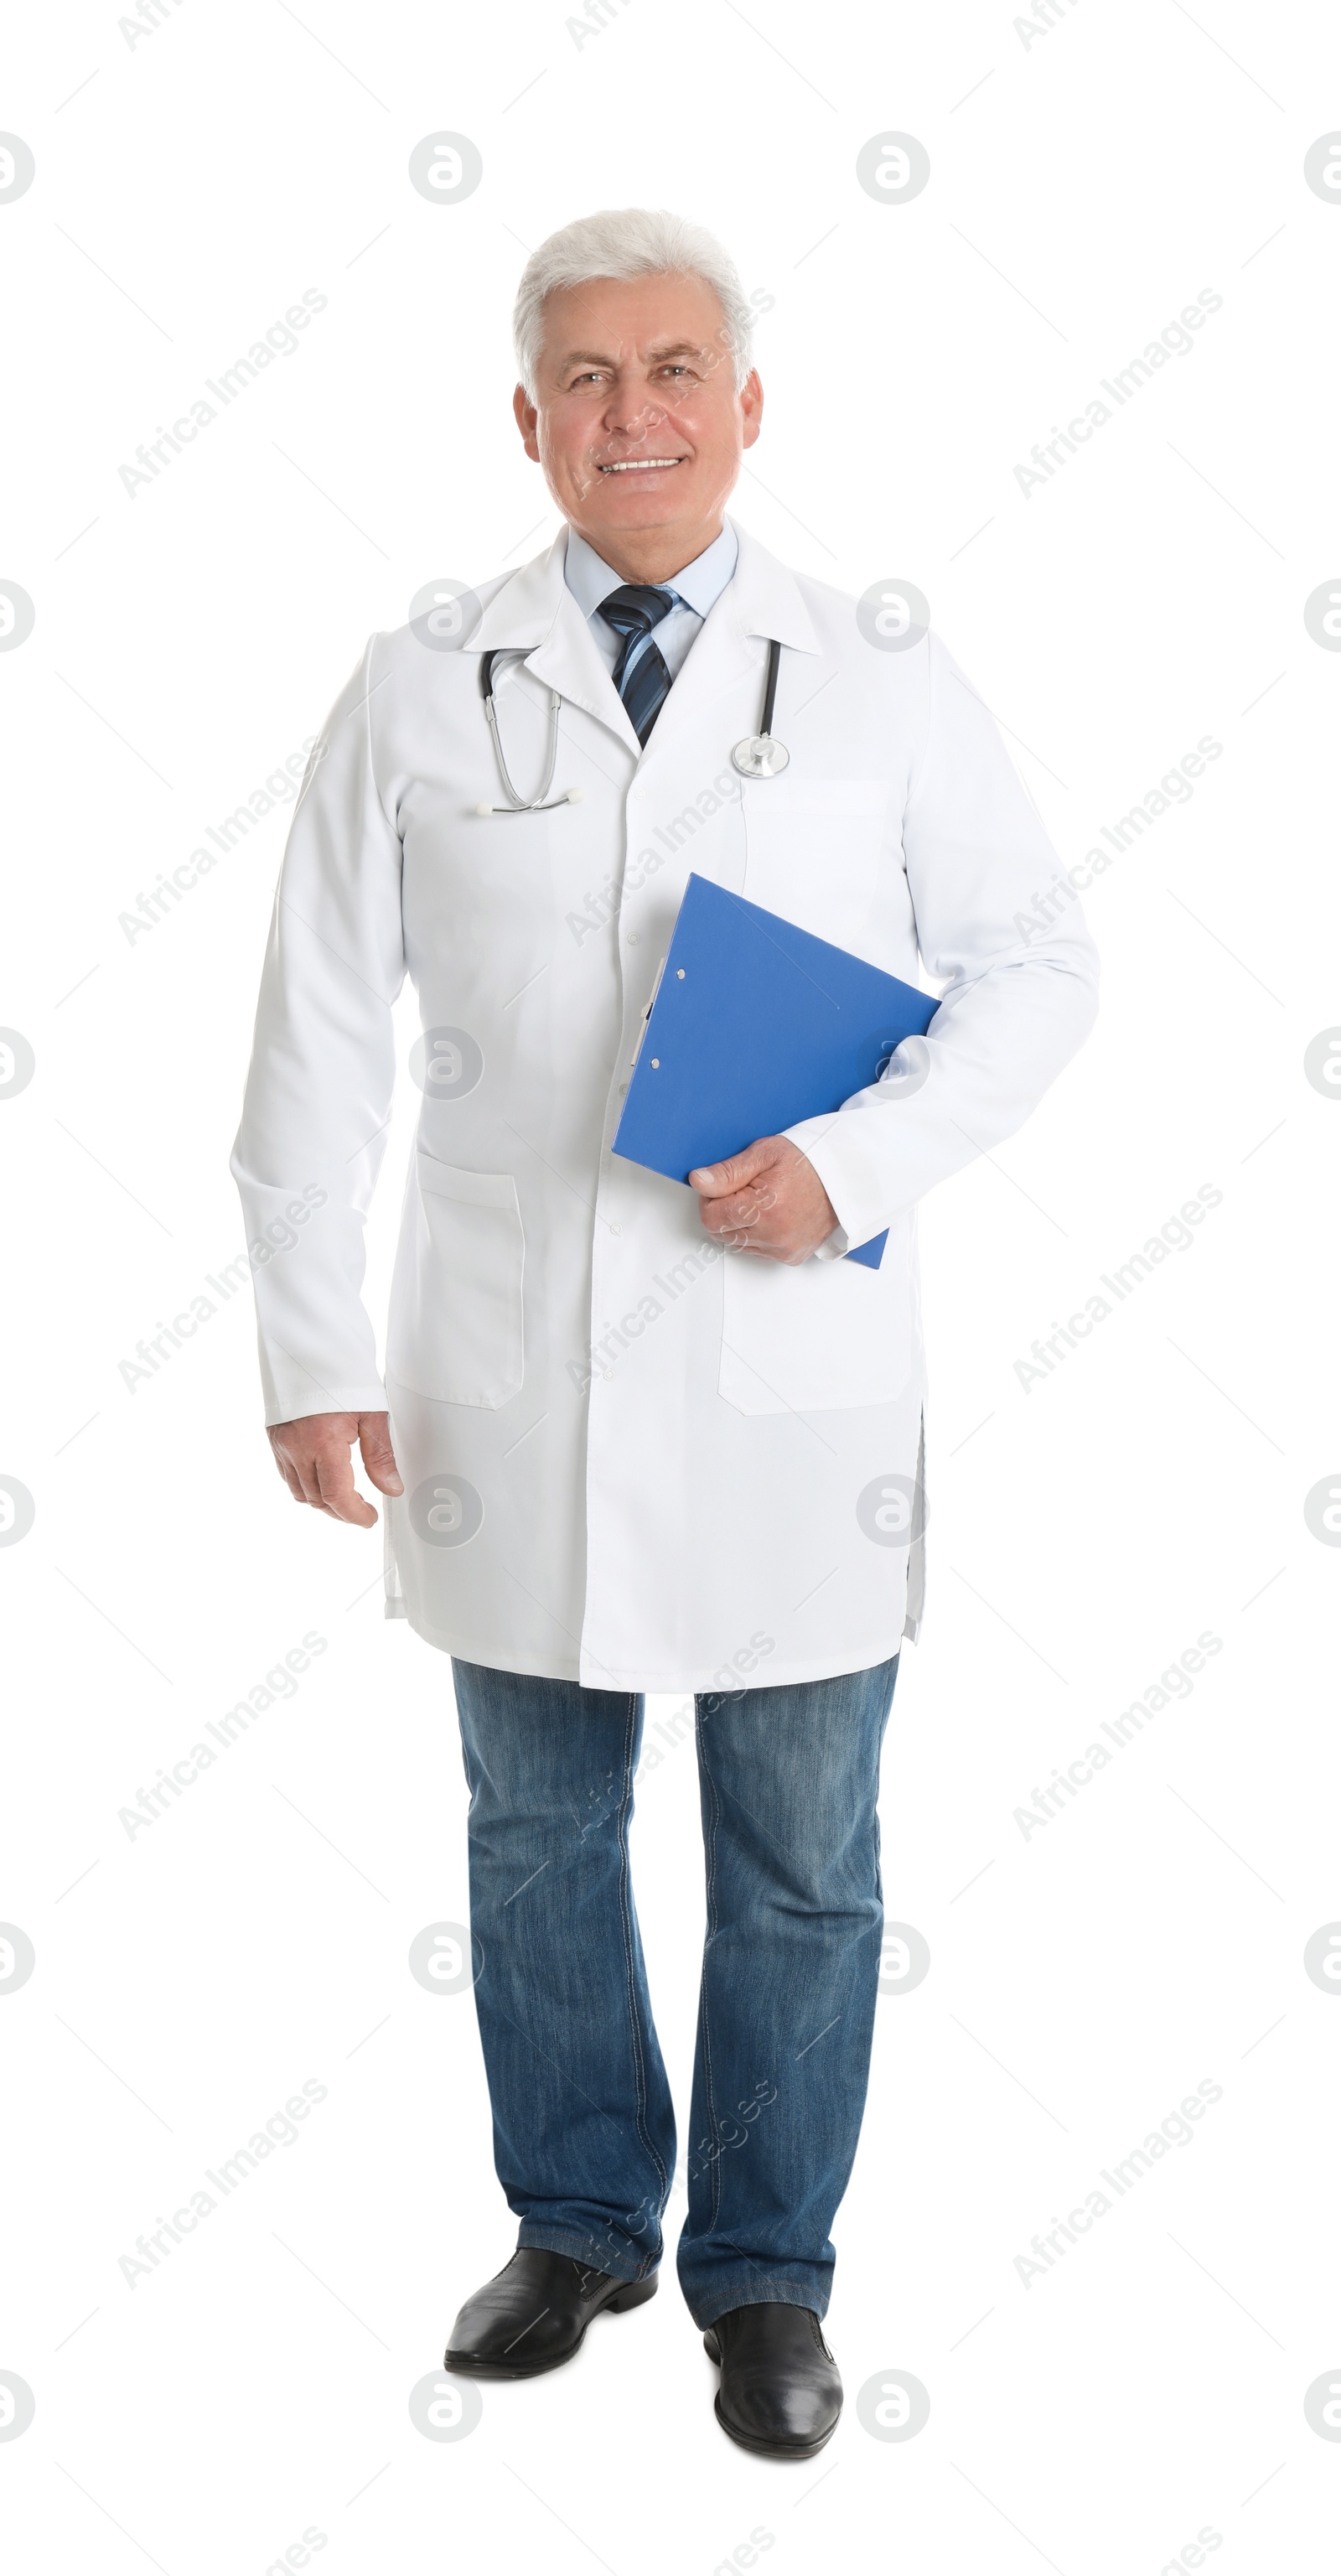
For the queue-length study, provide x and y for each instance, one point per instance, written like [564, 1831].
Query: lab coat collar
[535, 612]
[764, 598]
[524, 606]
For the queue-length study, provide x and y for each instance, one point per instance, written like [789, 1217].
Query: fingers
[378, 1456]
[782, 1213]
[742, 1221]
[337, 1492]
[717, 1180]
[312, 1455]
[305, 1486]
[289, 1477]
[730, 1215]
[298, 1468]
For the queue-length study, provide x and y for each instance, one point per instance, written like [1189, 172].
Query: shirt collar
[699, 585]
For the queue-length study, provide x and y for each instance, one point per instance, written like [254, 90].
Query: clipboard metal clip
[648, 1013]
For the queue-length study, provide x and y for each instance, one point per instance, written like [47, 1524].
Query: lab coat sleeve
[318, 1095]
[999, 923]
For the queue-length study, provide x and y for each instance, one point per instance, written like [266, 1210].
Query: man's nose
[631, 411]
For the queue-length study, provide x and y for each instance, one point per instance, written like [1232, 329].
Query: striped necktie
[642, 683]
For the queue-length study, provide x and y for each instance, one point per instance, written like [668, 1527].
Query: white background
[1084, 187]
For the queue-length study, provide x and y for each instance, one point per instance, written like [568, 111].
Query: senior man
[636, 1437]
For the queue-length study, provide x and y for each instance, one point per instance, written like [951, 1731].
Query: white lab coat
[630, 1459]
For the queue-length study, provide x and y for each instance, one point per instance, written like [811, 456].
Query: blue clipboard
[753, 1026]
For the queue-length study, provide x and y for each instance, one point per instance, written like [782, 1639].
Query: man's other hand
[768, 1199]
[312, 1456]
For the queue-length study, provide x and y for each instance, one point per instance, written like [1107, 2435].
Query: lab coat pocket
[814, 849]
[456, 1334]
[819, 1338]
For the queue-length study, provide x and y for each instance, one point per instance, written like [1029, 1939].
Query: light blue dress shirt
[694, 591]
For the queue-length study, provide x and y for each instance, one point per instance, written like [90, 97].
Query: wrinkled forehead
[633, 323]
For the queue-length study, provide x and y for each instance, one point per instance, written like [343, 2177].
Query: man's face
[638, 425]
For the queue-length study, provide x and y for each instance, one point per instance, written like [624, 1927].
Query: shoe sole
[755, 2441]
[634, 2294]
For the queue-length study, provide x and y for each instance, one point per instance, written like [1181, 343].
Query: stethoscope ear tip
[574, 795]
[484, 809]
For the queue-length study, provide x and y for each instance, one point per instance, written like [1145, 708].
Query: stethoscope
[759, 755]
[544, 803]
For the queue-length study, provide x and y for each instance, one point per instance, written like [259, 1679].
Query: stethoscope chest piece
[760, 756]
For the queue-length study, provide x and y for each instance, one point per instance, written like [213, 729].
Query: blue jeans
[584, 2133]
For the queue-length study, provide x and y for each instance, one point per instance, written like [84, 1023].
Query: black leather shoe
[780, 2390]
[534, 2314]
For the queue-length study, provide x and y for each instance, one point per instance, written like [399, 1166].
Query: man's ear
[752, 408]
[526, 416]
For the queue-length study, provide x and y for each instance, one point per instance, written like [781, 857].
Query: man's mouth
[642, 464]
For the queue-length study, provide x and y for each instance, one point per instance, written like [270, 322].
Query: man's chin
[625, 497]
[628, 504]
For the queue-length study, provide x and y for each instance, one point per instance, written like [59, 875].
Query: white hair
[628, 243]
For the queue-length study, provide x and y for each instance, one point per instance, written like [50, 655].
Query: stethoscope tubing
[542, 802]
[520, 804]
[771, 685]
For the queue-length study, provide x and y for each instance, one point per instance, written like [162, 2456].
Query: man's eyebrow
[660, 349]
